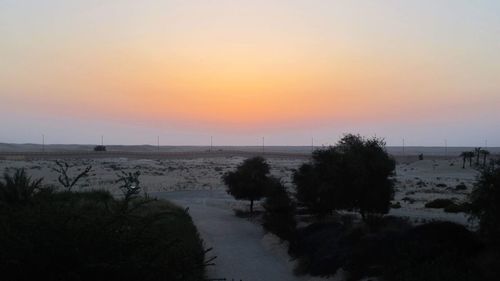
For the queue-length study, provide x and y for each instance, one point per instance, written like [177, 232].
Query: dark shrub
[439, 203]
[457, 208]
[92, 236]
[434, 252]
[100, 148]
[396, 205]
[19, 188]
[485, 203]
[461, 186]
[321, 248]
[279, 215]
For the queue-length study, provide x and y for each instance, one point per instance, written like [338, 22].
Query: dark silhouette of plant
[485, 153]
[464, 157]
[477, 153]
[279, 215]
[249, 180]
[64, 179]
[90, 236]
[485, 202]
[130, 183]
[19, 188]
[467, 155]
[355, 174]
[100, 148]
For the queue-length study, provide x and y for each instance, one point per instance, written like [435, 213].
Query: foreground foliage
[67, 235]
[279, 215]
[395, 251]
[485, 203]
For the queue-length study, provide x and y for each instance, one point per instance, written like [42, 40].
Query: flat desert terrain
[191, 177]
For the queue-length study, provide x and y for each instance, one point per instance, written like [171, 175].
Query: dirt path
[237, 242]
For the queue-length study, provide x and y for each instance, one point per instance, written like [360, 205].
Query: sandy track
[237, 242]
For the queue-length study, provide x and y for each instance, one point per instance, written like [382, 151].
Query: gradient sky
[239, 70]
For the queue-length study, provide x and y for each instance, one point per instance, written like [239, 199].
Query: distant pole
[485, 143]
[43, 143]
[263, 144]
[211, 143]
[312, 144]
[445, 147]
[403, 146]
[102, 140]
[158, 143]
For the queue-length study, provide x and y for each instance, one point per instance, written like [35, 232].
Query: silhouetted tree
[249, 180]
[279, 216]
[354, 174]
[485, 202]
[477, 153]
[64, 179]
[485, 154]
[464, 157]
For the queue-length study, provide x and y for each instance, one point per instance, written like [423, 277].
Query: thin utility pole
[263, 144]
[312, 144]
[403, 146]
[43, 143]
[445, 147]
[211, 143]
[102, 140]
[158, 143]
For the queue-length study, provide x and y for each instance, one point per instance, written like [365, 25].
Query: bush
[439, 203]
[92, 236]
[396, 205]
[434, 252]
[395, 251]
[485, 202]
[100, 148]
[279, 215]
[457, 208]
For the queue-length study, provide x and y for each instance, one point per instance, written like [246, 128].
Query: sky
[287, 70]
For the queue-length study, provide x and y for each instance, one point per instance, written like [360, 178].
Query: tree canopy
[249, 180]
[355, 174]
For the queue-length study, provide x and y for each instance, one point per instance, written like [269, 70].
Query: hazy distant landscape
[262, 140]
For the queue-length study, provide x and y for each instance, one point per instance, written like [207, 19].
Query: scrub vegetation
[47, 234]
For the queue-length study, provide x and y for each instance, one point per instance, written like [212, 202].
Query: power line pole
[211, 143]
[263, 142]
[445, 147]
[43, 143]
[102, 140]
[312, 144]
[158, 143]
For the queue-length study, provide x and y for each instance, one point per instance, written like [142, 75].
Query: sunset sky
[240, 70]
